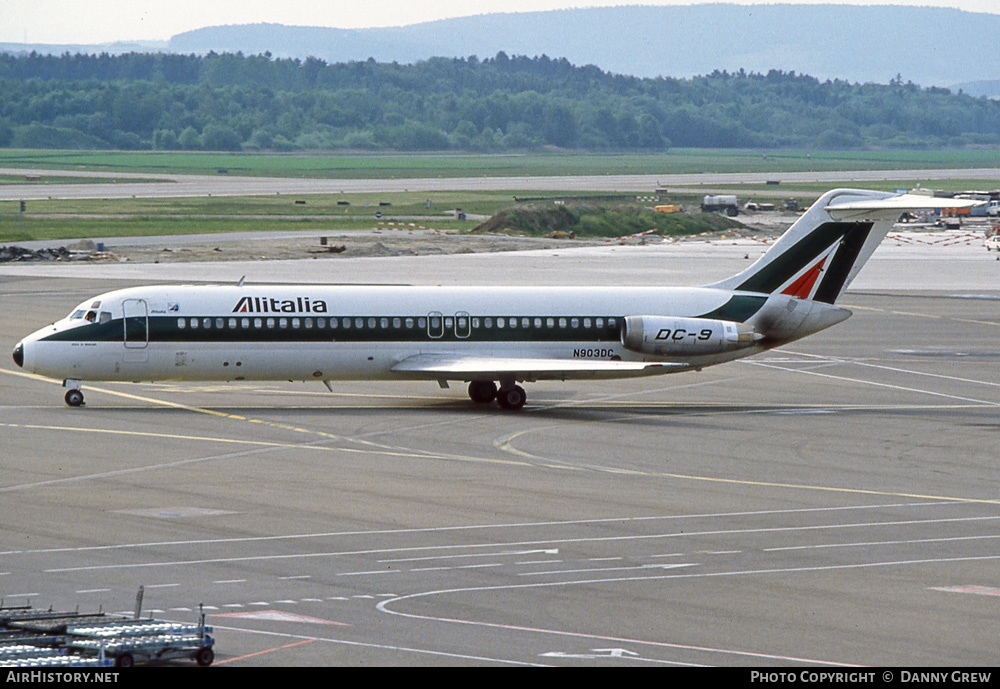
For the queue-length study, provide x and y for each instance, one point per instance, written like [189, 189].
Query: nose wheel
[74, 397]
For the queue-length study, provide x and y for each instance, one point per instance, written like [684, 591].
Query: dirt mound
[600, 220]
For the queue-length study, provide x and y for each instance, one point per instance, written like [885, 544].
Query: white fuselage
[324, 333]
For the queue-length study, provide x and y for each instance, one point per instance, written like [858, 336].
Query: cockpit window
[105, 317]
[91, 316]
[77, 314]
[96, 305]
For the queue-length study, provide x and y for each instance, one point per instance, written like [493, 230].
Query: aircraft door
[435, 325]
[136, 323]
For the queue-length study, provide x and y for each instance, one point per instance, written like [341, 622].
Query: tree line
[233, 102]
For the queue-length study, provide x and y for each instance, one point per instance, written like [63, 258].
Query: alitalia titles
[271, 305]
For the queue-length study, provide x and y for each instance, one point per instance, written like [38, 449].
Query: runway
[832, 503]
[157, 185]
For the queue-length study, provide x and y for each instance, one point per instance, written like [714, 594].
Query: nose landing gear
[74, 396]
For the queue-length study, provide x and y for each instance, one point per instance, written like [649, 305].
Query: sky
[105, 21]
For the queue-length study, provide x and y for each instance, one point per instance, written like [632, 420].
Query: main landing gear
[510, 396]
[482, 391]
[512, 399]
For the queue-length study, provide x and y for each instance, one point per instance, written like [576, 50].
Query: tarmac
[831, 503]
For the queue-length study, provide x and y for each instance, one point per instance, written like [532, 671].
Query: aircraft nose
[19, 355]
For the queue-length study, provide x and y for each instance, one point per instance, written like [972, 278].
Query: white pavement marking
[557, 539]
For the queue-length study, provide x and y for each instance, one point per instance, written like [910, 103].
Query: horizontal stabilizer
[897, 204]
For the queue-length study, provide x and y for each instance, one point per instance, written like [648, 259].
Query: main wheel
[74, 397]
[512, 398]
[482, 391]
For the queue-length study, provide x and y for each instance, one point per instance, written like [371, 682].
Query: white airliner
[490, 337]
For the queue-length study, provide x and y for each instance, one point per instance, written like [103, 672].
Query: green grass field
[307, 204]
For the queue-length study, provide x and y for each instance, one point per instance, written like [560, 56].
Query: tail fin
[823, 251]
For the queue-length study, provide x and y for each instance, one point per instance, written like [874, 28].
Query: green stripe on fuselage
[738, 309]
[167, 329]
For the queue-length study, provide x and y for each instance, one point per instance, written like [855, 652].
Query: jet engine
[663, 335]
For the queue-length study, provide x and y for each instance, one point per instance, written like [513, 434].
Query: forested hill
[931, 46]
[233, 102]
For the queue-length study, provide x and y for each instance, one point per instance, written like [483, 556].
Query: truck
[667, 208]
[720, 204]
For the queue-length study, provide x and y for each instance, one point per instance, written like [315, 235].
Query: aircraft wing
[458, 367]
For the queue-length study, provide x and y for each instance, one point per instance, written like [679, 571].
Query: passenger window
[599, 322]
[550, 322]
[360, 323]
[574, 322]
[397, 323]
[525, 323]
[308, 323]
[282, 322]
[207, 322]
[422, 322]
[347, 323]
[245, 323]
[488, 322]
[538, 322]
[320, 323]
[334, 323]
[181, 323]
[296, 323]
[232, 324]
[501, 322]
[383, 323]
[371, 324]
[586, 323]
[220, 323]
[270, 322]
[258, 323]
[194, 323]
[409, 322]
